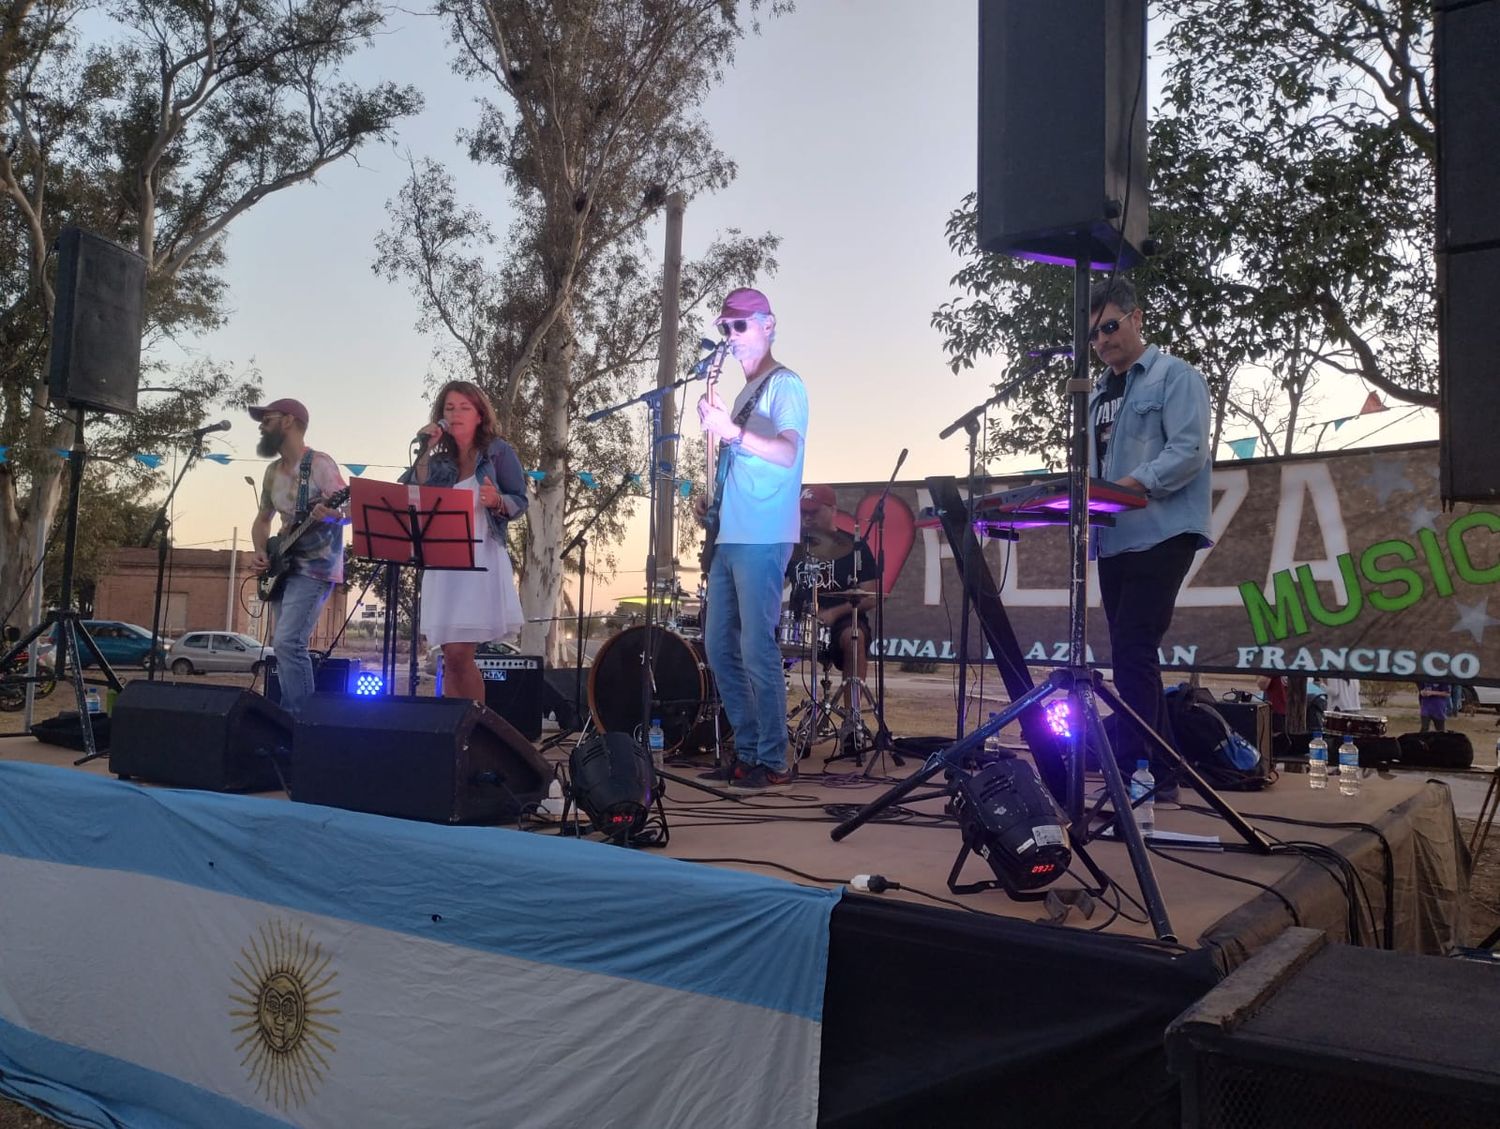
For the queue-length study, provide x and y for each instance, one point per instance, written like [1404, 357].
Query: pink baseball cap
[743, 302]
[286, 406]
[818, 495]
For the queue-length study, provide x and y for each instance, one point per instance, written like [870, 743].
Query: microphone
[704, 343]
[899, 461]
[1051, 351]
[423, 438]
[222, 425]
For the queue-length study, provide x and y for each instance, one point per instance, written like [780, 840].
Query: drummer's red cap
[819, 495]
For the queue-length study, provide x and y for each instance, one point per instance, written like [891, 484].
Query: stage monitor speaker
[97, 323]
[219, 738]
[1062, 130]
[513, 689]
[443, 760]
[1466, 41]
[1308, 1034]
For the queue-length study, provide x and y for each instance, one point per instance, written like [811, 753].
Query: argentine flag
[172, 958]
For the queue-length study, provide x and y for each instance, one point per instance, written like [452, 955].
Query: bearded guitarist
[293, 489]
[761, 439]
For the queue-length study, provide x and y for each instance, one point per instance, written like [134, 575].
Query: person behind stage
[461, 448]
[855, 569]
[1432, 705]
[1148, 429]
[762, 436]
[292, 489]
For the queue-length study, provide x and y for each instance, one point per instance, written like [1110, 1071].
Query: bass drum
[684, 688]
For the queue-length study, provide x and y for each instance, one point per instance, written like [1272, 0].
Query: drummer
[854, 569]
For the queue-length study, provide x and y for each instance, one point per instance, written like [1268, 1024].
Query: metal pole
[234, 559]
[666, 372]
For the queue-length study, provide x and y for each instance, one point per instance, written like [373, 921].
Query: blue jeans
[744, 604]
[297, 611]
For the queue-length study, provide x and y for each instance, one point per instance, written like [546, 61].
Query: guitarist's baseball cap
[743, 302]
[818, 495]
[286, 406]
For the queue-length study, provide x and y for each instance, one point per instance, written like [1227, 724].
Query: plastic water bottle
[92, 699]
[1141, 783]
[1349, 767]
[992, 742]
[1317, 761]
[656, 740]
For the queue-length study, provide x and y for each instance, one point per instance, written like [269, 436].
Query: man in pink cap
[293, 489]
[761, 437]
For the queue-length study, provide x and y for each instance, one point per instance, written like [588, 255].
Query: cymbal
[827, 546]
[850, 594]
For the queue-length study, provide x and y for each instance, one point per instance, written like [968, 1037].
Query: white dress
[473, 607]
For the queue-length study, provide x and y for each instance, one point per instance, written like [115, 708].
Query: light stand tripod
[67, 621]
[1077, 681]
[884, 742]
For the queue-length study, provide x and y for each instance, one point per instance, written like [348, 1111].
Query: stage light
[1008, 819]
[612, 780]
[1059, 717]
[368, 685]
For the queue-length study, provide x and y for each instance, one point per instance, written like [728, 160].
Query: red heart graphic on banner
[900, 534]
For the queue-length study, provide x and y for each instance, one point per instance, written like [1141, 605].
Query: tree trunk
[542, 576]
[18, 533]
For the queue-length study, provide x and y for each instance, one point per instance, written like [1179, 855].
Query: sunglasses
[738, 325]
[1109, 329]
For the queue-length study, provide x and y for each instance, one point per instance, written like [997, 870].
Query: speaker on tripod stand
[95, 363]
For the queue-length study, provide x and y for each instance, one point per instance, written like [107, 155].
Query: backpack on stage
[1223, 756]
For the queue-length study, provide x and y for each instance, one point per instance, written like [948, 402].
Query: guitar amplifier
[1251, 720]
[513, 689]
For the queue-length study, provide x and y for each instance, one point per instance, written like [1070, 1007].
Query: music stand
[428, 527]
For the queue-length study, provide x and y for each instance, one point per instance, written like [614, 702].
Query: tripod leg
[1251, 836]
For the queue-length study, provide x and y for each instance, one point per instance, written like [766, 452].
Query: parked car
[123, 644]
[198, 652]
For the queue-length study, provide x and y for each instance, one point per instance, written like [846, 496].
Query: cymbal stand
[817, 723]
[884, 742]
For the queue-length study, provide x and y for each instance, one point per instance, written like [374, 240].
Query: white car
[198, 652]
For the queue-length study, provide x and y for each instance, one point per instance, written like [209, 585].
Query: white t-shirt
[761, 504]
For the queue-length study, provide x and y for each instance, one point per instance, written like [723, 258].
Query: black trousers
[1140, 594]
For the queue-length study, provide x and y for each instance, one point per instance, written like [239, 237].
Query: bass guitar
[279, 551]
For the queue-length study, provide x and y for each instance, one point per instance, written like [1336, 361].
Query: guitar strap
[741, 417]
[304, 472]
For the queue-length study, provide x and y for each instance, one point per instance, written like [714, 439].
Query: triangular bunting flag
[1243, 448]
[536, 475]
[222, 460]
[1338, 423]
[152, 461]
[633, 479]
[63, 452]
[1372, 404]
[587, 479]
[4, 457]
[685, 488]
[356, 468]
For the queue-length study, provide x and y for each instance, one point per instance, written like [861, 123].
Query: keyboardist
[1148, 429]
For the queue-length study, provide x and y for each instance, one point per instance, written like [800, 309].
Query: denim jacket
[1161, 438]
[497, 464]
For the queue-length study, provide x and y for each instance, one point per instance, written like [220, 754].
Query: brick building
[202, 589]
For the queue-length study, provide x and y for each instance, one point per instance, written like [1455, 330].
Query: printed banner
[187, 959]
[1334, 564]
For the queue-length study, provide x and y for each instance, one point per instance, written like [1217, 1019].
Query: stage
[889, 1009]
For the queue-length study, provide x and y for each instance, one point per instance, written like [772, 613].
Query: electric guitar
[717, 457]
[279, 551]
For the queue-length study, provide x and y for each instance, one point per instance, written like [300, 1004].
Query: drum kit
[683, 694]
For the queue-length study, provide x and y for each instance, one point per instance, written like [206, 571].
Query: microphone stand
[969, 421]
[580, 542]
[161, 523]
[884, 743]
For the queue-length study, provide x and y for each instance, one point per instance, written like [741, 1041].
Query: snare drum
[1355, 725]
[684, 688]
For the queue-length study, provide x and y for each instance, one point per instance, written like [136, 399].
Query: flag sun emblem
[282, 988]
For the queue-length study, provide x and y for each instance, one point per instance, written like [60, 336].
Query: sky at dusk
[853, 123]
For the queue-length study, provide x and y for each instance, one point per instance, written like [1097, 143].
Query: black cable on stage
[1290, 909]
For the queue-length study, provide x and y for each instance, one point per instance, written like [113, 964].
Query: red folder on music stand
[431, 527]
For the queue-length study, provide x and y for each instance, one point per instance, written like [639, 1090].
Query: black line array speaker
[513, 688]
[443, 760]
[1062, 129]
[1466, 41]
[97, 323]
[218, 738]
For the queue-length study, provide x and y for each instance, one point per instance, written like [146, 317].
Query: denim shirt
[497, 464]
[1160, 438]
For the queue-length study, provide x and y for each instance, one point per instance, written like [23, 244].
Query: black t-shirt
[1105, 410]
[845, 577]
